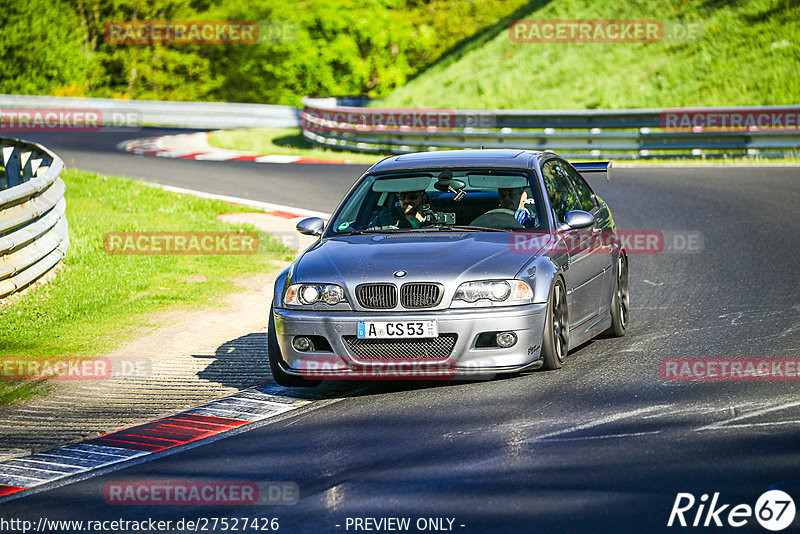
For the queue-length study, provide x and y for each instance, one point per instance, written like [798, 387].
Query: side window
[562, 197]
[583, 191]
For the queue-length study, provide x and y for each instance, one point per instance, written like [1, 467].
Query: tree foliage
[43, 49]
[307, 47]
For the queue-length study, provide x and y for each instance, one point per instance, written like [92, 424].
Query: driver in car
[409, 215]
[514, 199]
[512, 212]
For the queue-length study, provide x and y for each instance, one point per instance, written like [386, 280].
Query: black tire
[620, 302]
[278, 374]
[555, 343]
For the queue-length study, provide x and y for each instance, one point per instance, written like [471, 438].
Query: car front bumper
[465, 359]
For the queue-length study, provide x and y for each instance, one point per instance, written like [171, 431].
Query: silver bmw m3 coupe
[451, 264]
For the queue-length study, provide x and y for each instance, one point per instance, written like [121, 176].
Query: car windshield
[478, 199]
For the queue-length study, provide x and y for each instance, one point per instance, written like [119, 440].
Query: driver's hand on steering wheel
[524, 217]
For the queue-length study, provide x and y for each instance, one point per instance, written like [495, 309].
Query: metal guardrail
[632, 133]
[331, 123]
[33, 227]
[205, 115]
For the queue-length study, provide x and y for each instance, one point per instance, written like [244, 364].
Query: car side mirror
[576, 219]
[311, 226]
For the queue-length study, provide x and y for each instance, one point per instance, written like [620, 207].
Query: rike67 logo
[774, 510]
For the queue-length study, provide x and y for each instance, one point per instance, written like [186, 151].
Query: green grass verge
[287, 141]
[749, 54]
[98, 300]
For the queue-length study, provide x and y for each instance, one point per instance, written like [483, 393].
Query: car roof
[459, 158]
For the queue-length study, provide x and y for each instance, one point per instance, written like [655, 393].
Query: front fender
[280, 286]
[541, 272]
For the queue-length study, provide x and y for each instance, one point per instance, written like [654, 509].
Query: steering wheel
[498, 218]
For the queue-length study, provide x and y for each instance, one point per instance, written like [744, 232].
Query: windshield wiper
[367, 231]
[470, 228]
[445, 228]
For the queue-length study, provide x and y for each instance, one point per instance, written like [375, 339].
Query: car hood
[441, 257]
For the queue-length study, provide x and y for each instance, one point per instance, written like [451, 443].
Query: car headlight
[306, 294]
[489, 292]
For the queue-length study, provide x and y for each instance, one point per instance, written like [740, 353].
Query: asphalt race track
[288, 184]
[603, 445]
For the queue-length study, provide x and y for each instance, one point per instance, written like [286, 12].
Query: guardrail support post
[11, 163]
[24, 167]
[30, 163]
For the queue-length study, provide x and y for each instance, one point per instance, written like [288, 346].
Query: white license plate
[396, 329]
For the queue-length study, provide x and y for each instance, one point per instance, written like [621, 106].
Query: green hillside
[749, 54]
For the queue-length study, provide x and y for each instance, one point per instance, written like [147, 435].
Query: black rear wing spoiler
[595, 166]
